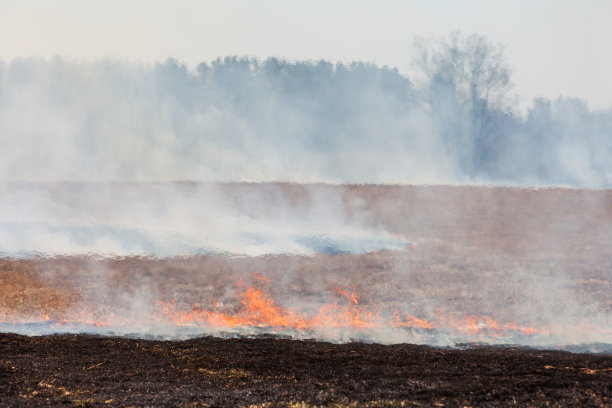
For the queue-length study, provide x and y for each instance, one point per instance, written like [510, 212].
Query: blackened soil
[82, 370]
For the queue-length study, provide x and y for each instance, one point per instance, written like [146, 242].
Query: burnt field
[81, 370]
[522, 267]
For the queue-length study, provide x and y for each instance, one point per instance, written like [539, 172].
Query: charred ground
[81, 370]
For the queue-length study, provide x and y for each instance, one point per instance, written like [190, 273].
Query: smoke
[98, 159]
[180, 219]
[245, 120]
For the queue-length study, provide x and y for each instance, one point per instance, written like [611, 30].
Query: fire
[350, 296]
[259, 309]
[253, 306]
[410, 321]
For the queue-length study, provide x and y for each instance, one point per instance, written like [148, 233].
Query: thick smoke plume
[274, 120]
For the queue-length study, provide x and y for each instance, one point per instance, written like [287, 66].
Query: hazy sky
[556, 47]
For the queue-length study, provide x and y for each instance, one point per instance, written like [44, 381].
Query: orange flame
[255, 307]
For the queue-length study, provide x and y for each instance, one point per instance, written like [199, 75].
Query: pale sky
[556, 47]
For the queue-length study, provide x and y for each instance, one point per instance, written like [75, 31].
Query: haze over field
[364, 197]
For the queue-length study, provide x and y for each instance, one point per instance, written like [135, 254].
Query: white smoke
[245, 120]
[168, 219]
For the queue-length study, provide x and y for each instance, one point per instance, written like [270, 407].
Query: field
[488, 265]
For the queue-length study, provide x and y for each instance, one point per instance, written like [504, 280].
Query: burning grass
[327, 297]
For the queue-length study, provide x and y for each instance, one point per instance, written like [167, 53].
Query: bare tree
[476, 73]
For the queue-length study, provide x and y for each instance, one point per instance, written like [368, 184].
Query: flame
[410, 321]
[258, 309]
[346, 310]
[350, 296]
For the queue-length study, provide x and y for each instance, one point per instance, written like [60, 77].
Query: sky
[555, 47]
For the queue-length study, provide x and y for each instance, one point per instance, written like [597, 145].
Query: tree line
[299, 120]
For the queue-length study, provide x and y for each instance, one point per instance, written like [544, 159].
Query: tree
[473, 72]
